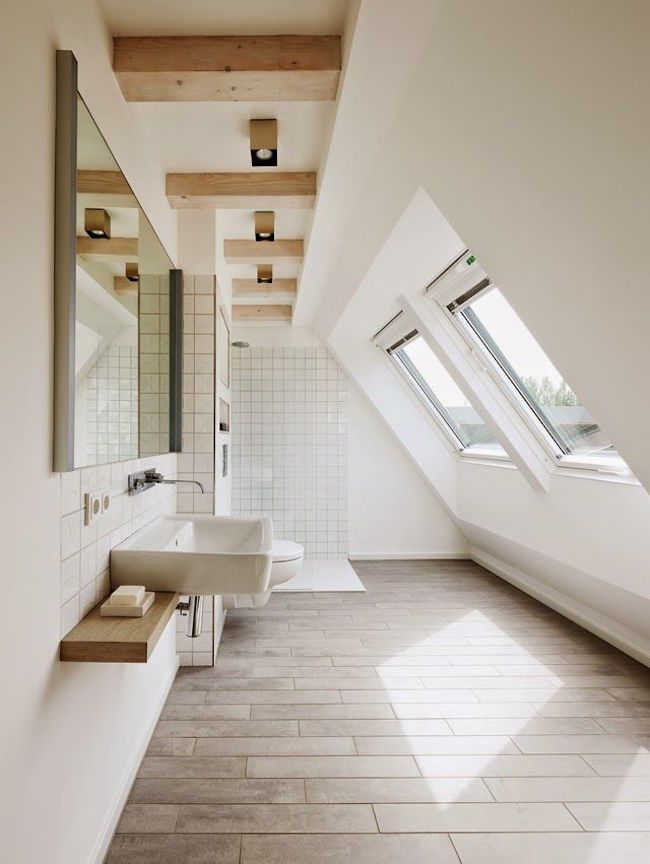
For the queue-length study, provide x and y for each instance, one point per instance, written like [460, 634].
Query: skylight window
[442, 395]
[492, 322]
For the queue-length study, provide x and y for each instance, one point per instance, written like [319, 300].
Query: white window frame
[400, 328]
[458, 280]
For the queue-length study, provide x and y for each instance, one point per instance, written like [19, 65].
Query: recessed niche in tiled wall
[290, 445]
[85, 549]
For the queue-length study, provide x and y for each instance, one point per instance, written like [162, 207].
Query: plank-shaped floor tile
[474, 817]
[565, 848]
[442, 715]
[275, 818]
[362, 849]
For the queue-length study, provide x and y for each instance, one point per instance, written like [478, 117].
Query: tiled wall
[197, 459]
[85, 549]
[290, 440]
[196, 462]
[111, 406]
[153, 321]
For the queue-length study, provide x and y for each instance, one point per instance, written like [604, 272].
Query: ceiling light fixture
[264, 225]
[132, 273]
[264, 274]
[263, 136]
[97, 223]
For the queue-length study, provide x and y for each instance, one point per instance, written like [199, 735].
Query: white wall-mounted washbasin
[196, 555]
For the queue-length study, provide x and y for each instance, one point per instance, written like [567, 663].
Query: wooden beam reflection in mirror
[271, 252]
[111, 249]
[103, 183]
[122, 285]
[247, 287]
[271, 313]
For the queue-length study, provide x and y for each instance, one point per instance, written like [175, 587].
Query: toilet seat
[286, 550]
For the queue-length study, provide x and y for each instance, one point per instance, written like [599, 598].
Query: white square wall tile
[204, 285]
[70, 569]
[70, 492]
[87, 599]
[102, 585]
[69, 615]
[88, 568]
[70, 534]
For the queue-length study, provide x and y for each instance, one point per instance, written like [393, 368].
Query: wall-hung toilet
[287, 561]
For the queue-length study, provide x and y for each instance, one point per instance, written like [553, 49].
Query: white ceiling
[223, 17]
[213, 136]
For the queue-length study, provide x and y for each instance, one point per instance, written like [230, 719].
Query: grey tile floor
[443, 716]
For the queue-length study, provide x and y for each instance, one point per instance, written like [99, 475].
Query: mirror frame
[65, 258]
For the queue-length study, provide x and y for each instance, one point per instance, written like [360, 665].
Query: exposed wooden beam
[122, 285]
[115, 247]
[251, 190]
[227, 68]
[265, 252]
[102, 183]
[263, 312]
[248, 287]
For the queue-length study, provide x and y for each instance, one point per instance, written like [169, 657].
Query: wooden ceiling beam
[227, 68]
[122, 285]
[102, 183]
[244, 190]
[114, 247]
[251, 287]
[269, 313]
[262, 252]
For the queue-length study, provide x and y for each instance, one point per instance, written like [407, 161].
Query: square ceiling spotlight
[264, 225]
[264, 274]
[97, 223]
[263, 142]
[131, 272]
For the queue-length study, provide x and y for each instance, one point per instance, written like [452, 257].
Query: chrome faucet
[141, 480]
[156, 477]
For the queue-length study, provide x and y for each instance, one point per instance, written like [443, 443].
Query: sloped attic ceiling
[543, 173]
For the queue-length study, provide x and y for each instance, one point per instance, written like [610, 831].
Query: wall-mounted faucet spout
[139, 481]
[155, 477]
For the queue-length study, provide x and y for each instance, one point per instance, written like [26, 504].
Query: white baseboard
[600, 625]
[103, 842]
[410, 556]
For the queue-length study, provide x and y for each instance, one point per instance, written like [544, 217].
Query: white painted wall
[393, 511]
[71, 733]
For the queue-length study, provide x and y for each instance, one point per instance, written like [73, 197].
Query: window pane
[463, 419]
[534, 375]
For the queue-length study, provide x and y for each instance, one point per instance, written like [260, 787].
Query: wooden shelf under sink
[118, 640]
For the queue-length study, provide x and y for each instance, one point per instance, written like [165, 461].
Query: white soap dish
[111, 610]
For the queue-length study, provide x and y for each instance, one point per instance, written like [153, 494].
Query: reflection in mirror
[122, 314]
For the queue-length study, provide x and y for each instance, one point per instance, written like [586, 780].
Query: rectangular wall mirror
[114, 396]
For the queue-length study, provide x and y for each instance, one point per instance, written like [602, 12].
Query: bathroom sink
[196, 555]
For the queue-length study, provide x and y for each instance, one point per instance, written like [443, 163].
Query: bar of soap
[128, 595]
